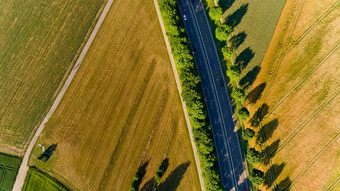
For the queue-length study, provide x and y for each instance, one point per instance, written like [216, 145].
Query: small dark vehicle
[194, 51]
[222, 82]
[211, 63]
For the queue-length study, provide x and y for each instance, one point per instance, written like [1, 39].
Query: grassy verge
[9, 166]
[39, 42]
[122, 111]
[192, 93]
[36, 180]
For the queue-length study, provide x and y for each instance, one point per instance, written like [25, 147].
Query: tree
[256, 177]
[238, 94]
[248, 134]
[215, 13]
[253, 156]
[234, 72]
[222, 32]
[227, 52]
[243, 113]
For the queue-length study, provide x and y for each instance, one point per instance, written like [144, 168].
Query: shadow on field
[140, 174]
[256, 93]
[234, 19]
[250, 77]
[172, 182]
[270, 151]
[225, 4]
[271, 175]
[259, 115]
[283, 185]
[267, 131]
[46, 155]
[237, 40]
[244, 57]
[149, 186]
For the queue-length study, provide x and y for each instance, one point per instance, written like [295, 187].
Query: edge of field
[179, 88]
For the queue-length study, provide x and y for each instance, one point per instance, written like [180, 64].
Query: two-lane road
[217, 99]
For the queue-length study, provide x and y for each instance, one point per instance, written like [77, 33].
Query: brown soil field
[122, 111]
[297, 90]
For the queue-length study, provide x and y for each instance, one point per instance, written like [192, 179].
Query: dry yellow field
[39, 42]
[121, 111]
[299, 82]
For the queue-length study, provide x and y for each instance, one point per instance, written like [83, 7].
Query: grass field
[9, 166]
[253, 24]
[298, 89]
[36, 180]
[122, 111]
[39, 41]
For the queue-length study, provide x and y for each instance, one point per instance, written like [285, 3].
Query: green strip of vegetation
[9, 166]
[191, 93]
[37, 180]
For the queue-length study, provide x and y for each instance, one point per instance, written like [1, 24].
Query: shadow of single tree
[259, 115]
[46, 155]
[270, 151]
[238, 39]
[234, 19]
[140, 175]
[244, 58]
[149, 185]
[256, 93]
[271, 175]
[250, 77]
[225, 4]
[284, 185]
[174, 179]
[268, 129]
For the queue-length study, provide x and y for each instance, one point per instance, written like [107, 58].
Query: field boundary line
[312, 116]
[179, 88]
[332, 186]
[297, 178]
[305, 77]
[20, 179]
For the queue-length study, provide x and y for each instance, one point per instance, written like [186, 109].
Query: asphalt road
[217, 99]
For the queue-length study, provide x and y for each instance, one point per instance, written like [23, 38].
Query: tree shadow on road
[235, 18]
[172, 182]
[256, 93]
[244, 57]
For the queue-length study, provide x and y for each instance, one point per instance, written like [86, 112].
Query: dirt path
[19, 182]
[180, 90]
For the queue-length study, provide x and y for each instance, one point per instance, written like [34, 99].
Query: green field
[253, 25]
[37, 180]
[9, 166]
[39, 42]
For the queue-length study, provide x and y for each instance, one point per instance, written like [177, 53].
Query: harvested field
[36, 180]
[122, 111]
[39, 41]
[299, 85]
[9, 166]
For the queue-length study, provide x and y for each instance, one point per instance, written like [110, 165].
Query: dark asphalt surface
[217, 99]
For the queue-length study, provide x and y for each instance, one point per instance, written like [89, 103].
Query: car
[212, 63]
[194, 51]
[222, 82]
[184, 17]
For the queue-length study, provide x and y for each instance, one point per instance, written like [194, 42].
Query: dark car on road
[222, 82]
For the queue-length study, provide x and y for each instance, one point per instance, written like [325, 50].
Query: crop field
[9, 166]
[39, 42]
[39, 181]
[253, 24]
[122, 111]
[296, 98]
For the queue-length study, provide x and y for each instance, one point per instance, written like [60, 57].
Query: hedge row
[191, 93]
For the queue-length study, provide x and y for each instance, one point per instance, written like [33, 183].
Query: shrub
[222, 32]
[243, 113]
[238, 94]
[227, 52]
[248, 134]
[215, 13]
[257, 177]
[234, 72]
[253, 156]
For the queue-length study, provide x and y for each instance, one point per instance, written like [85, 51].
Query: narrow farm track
[304, 78]
[333, 186]
[317, 156]
[309, 119]
[24, 165]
